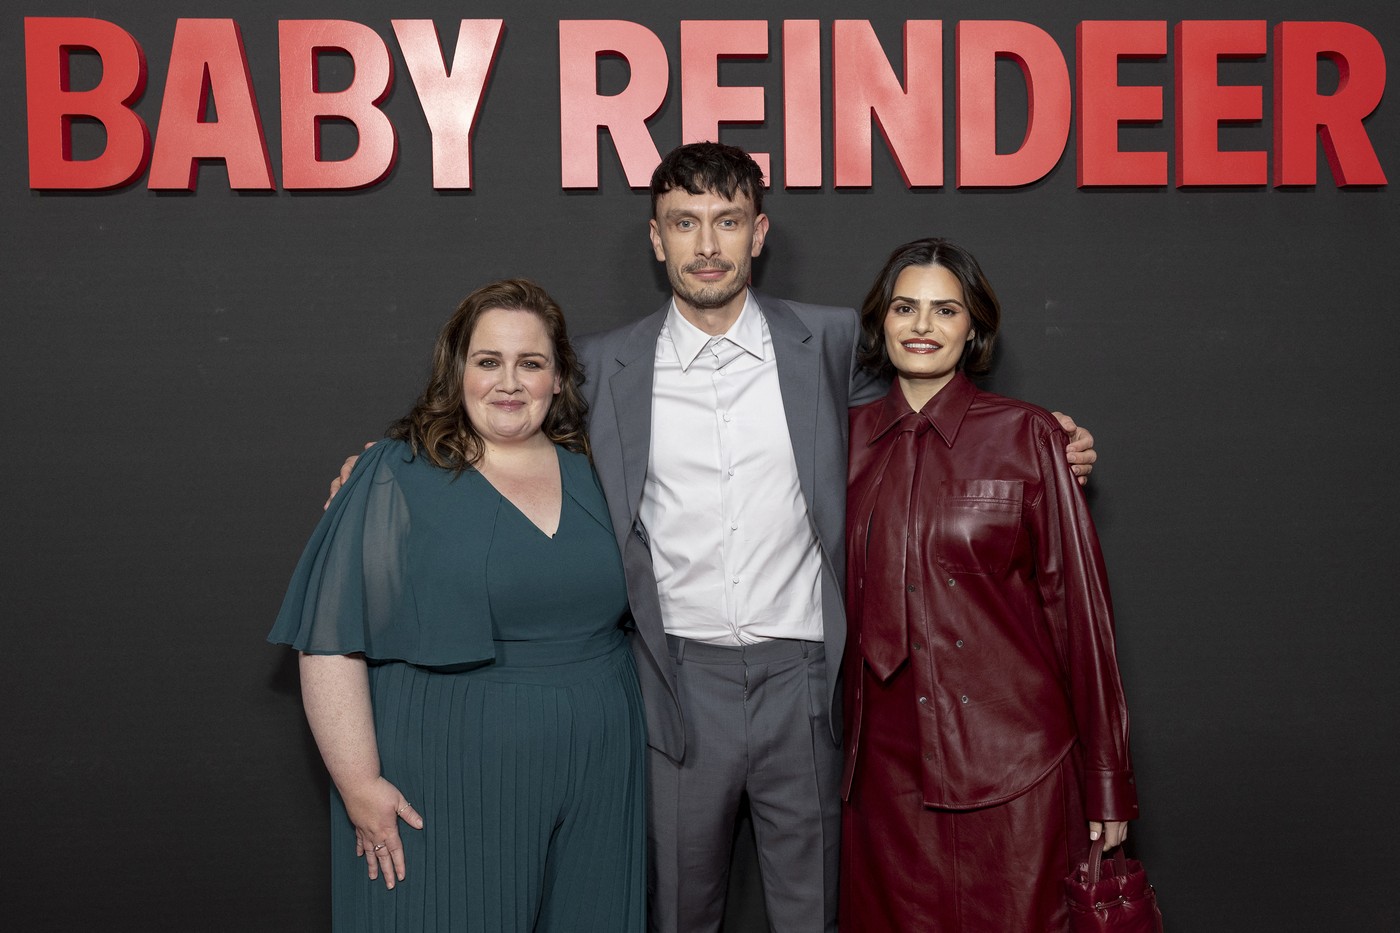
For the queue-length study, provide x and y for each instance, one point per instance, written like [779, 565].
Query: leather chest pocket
[977, 525]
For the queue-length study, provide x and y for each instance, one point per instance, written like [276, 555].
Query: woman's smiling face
[927, 328]
[510, 377]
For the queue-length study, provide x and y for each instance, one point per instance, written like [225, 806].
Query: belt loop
[805, 646]
[680, 649]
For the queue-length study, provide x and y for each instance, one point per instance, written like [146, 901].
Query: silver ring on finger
[406, 805]
[378, 847]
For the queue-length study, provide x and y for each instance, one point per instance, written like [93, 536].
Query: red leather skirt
[907, 867]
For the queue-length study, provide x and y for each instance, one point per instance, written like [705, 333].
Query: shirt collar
[945, 411]
[746, 332]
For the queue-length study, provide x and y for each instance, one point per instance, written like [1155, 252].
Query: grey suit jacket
[815, 351]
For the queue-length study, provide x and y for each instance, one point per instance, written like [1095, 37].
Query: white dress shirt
[735, 553]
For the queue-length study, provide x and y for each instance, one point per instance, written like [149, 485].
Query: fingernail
[1093, 835]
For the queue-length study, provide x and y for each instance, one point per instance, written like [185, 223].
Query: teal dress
[506, 706]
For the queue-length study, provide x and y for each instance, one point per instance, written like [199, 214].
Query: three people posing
[719, 433]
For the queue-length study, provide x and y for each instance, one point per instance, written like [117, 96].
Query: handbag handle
[1096, 860]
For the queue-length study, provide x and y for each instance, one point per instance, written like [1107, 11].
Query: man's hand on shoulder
[1079, 451]
[345, 469]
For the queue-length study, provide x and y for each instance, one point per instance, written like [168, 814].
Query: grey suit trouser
[756, 724]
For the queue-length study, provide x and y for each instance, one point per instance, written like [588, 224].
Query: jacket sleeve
[1078, 608]
[863, 386]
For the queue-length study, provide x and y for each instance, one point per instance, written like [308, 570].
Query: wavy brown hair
[981, 303]
[438, 426]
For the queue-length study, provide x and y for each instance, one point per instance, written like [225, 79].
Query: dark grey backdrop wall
[182, 374]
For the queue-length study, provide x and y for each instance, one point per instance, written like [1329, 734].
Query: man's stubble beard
[709, 298]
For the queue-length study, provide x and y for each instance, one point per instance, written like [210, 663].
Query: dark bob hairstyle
[438, 426]
[978, 296]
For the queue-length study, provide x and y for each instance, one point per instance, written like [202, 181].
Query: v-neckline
[558, 519]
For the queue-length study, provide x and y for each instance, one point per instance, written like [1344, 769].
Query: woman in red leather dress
[987, 736]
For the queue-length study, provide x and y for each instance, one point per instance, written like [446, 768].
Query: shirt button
[731, 471]
[736, 581]
[964, 699]
[923, 701]
[733, 526]
[928, 757]
[918, 647]
[959, 642]
[952, 582]
[725, 416]
[910, 587]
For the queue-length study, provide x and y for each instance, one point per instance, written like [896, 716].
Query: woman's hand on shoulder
[375, 810]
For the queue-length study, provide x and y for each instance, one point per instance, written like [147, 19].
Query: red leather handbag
[1111, 896]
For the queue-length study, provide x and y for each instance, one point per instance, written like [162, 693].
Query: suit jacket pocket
[977, 525]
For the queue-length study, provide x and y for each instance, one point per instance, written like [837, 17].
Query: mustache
[709, 265]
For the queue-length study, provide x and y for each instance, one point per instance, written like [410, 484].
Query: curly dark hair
[702, 167]
[981, 303]
[438, 426]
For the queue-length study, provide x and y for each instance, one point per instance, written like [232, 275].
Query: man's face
[707, 243]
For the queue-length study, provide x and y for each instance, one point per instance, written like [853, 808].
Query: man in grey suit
[718, 425]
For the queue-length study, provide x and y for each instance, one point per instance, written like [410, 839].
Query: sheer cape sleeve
[395, 570]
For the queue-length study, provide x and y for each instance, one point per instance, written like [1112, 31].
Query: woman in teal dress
[459, 615]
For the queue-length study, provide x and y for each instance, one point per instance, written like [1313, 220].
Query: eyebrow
[677, 213]
[914, 301]
[531, 353]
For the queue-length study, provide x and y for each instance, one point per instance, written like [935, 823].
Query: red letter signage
[207, 59]
[53, 104]
[84, 76]
[582, 110]
[980, 44]
[705, 104]
[1301, 114]
[451, 100]
[910, 116]
[1104, 104]
[1202, 104]
[304, 105]
[802, 103]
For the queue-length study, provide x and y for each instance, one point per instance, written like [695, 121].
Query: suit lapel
[799, 378]
[631, 388]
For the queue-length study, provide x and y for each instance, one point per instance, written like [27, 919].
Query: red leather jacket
[1008, 617]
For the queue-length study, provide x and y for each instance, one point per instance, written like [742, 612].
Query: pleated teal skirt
[529, 776]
